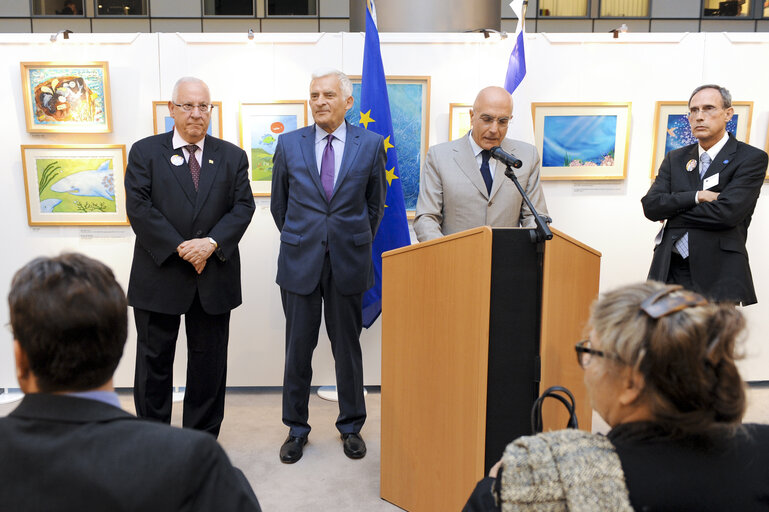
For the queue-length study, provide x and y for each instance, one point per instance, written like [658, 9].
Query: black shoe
[354, 445]
[292, 448]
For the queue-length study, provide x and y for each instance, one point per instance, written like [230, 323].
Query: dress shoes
[292, 449]
[354, 445]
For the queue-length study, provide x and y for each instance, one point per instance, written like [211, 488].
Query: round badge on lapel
[691, 164]
[177, 160]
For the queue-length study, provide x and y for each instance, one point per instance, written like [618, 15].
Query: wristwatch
[213, 242]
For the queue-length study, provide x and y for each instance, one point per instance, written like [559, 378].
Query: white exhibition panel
[641, 68]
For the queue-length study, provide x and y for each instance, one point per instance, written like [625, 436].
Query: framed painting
[75, 185]
[582, 141]
[459, 120]
[163, 122]
[410, 110]
[260, 125]
[672, 130]
[66, 97]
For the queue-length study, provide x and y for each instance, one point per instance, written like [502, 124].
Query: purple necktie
[194, 165]
[327, 168]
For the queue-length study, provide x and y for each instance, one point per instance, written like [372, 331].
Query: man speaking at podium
[462, 187]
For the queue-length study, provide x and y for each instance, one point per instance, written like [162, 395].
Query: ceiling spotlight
[55, 36]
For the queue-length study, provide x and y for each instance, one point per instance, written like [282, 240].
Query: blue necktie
[485, 171]
[682, 245]
[327, 168]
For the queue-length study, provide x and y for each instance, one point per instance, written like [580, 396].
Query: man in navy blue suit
[189, 200]
[328, 195]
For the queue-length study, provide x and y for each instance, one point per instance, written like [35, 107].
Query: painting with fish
[74, 185]
[66, 97]
[163, 122]
[582, 141]
[260, 126]
[672, 130]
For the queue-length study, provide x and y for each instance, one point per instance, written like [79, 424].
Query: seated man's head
[69, 321]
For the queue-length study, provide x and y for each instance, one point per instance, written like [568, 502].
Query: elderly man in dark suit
[68, 445]
[189, 201]
[706, 193]
[328, 192]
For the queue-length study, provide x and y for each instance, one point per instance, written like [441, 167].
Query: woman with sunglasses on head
[660, 370]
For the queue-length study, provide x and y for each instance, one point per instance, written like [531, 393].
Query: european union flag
[375, 116]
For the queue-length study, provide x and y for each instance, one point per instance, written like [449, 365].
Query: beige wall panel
[230, 25]
[552, 25]
[290, 25]
[15, 26]
[334, 25]
[675, 26]
[334, 8]
[55, 24]
[728, 26]
[121, 25]
[632, 25]
[171, 25]
[175, 8]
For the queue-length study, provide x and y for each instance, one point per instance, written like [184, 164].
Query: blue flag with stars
[375, 116]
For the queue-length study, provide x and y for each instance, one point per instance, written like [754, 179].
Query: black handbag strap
[568, 401]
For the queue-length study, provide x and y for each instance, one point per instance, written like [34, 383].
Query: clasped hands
[196, 251]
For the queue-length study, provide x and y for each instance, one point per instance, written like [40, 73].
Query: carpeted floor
[325, 479]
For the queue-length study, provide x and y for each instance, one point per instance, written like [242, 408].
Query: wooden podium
[474, 325]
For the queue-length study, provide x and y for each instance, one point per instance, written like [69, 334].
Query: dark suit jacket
[65, 453]
[165, 210]
[308, 222]
[717, 230]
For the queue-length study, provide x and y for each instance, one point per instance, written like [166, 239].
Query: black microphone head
[517, 164]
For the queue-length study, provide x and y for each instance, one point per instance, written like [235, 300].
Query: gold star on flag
[387, 144]
[365, 118]
[390, 175]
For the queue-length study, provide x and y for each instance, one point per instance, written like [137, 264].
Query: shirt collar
[107, 397]
[179, 142]
[340, 132]
[716, 148]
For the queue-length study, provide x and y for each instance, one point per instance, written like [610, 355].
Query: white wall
[641, 68]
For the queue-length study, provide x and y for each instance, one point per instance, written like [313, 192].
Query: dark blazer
[718, 259]
[66, 453]
[165, 210]
[308, 222]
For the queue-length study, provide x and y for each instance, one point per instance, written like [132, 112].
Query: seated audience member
[659, 369]
[68, 445]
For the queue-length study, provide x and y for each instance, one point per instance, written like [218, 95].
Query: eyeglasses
[204, 108]
[707, 110]
[501, 121]
[585, 353]
[671, 300]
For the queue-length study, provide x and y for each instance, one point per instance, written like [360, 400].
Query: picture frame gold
[260, 126]
[582, 141]
[66, 97]
[459, 120]
[161, 119]
[672, 131]
[69, 185]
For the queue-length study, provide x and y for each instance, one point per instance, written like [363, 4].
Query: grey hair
[344, 81]
[185, 80]
[726, 96]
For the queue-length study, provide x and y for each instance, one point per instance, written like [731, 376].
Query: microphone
[506, 158]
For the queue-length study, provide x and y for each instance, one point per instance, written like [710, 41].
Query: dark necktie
[485, 171]
[327, 168]
[194, 165]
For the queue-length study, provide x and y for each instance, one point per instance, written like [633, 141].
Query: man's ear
[633, 384]
[24, 373]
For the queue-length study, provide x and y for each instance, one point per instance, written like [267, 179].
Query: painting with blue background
[579, 139]
[406, 108]
[679, 132]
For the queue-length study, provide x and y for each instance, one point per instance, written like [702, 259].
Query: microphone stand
[542, 232]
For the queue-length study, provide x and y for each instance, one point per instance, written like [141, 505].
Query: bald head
[490, 115]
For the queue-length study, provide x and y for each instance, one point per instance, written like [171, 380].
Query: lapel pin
[726, 162]
[177, 160]
[691, 164]
[211, 162]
